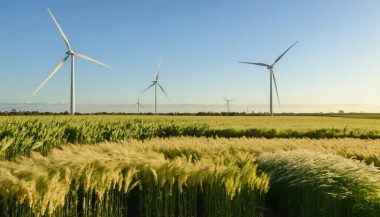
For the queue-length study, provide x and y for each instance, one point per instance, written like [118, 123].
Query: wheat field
[182, 167]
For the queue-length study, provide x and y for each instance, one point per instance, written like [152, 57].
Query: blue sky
[337, 59]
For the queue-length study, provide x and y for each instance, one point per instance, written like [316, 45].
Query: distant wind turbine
[228, 103]
[70, 53]
[138, 104]
[271, 69]
[155, 83]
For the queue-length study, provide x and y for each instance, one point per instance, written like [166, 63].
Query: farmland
[21, 135]
[189, 166]
[299, 123]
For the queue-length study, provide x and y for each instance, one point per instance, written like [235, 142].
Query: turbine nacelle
[270, 67]
[71, 52]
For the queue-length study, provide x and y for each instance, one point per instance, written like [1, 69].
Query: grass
[297, 123]
[195, 177]
[100, 179]
[21, 135]
[360, 116]
[189, 166]
[367, 151]
[310, 184]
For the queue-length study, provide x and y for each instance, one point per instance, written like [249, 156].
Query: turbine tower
[155, 83]
[72, 54]
[138, 104]
[228, 103]
[271, 74]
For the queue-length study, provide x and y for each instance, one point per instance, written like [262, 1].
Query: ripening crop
[114, 180]
[194, 177]
[311, 184]
[164, 166]
[21, 136]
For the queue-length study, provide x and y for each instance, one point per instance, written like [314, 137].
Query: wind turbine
[271, 70]
[138, 104]
[228, 103]
[155, 83]
[70, 53]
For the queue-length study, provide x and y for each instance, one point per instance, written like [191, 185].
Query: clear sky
[337, 59]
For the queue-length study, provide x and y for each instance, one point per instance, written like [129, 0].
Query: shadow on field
[272, 209]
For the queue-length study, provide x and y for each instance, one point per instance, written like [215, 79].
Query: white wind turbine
[271, 69]
[70, 53]
[155, 83]
[228, 103]
[138, 104]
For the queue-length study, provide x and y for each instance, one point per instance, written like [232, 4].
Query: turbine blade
[147, 88]
[259, 64]
[163, 90]
[278, 58]
[142, 106]
[60, 64]
[275, 85]
[92, 60]
[158, 69]
[60, 30]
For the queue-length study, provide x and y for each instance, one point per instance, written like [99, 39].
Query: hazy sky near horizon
[337, 59]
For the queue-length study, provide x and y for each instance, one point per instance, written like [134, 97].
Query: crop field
[187, 166]
[21, 135]
[299, 123]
